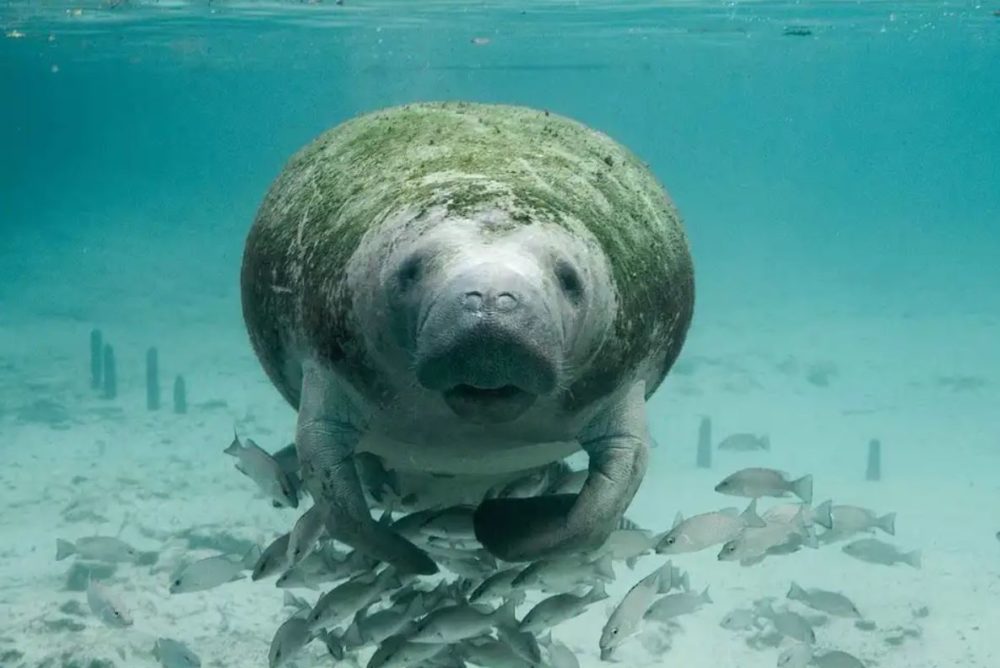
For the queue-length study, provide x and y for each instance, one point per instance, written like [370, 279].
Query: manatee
[467, 291]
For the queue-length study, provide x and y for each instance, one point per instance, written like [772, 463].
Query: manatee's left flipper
[325, 437]
[546, 526]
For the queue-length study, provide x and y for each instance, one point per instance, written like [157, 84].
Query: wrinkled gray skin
[451, 288]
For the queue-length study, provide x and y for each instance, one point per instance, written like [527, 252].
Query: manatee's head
[493, 315]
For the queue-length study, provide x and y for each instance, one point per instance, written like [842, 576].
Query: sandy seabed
[76, 465]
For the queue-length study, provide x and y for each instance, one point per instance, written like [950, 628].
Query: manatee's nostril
[473, 301]
[506, 301]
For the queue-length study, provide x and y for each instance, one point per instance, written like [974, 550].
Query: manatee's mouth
[490, 405]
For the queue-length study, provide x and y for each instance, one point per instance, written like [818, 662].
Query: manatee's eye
[569, 280]
[410, 270]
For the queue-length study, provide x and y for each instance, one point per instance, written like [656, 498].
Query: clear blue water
[841, 191]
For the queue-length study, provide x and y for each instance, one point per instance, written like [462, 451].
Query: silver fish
[784, 512]
[791, 624]
[829, 602]
[492, 653]
[175, 654]
[212, 571]
[707, 529]
[346, 599]
[560, 608]
[302, 607]
[372, 629]
[757, 482]
[257, 464]
[523, 643]
[458, 622]
[453, 522]
[740, 619]
[288, 641]
[744, 442]
[397, 652]
[755, 542]
[562, 575]
[305, 534]
[627, 545]
[498, 585]
[797, 656]
[675, 605]
[561, 656]
[837, 659]
[874, 551]
[106, 606]
[97, 548]
[625, 619]
[848, 521]
[273, 559]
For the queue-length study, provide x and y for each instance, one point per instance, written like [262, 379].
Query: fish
[562, 575]
[627, 545]
[744, 442]
[372, 629]
[323, 566]
[754, 543]
[458, 622]
[740, 619]
[450, 523]
[274, 558]
[305, 534]
[302, 606]
[257, 464]
[625, 619]
[848, 521]
[346, 599]
[212, 571]
[560, 608]
[837, 659]
[560, 656]
[790, 624]
[492, 653]
[758, 482]
[398, 652]
[522, 643]
[106, 606]
[821, 514]
[175, 654]
[797, 656]
[498, 585]
[707, 529]
[829, 602]
[97, 548]
[294, 634]
[675, 605]
[874, 551]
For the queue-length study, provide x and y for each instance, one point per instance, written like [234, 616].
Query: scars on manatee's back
[466, 291]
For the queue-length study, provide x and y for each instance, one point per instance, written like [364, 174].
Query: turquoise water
[837, 165]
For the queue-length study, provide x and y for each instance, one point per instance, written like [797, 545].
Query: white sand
[162, 473]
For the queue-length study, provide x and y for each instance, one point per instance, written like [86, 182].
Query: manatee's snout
[489, 343]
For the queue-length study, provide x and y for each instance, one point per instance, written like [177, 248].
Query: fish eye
[177, 583]
[671, 540]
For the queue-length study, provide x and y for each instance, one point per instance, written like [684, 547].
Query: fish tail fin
[505, 616]
[64, 549]
[809, 538]
[796, 593]
[251, 558]
[685, 581]
[234, 447]
[705, 598]
[913, 558]
[750, 516]
[352, 636]
[631, 562]
[598, 592]
[604, 567]
[822, 514]
[887, 523]
[803, 488]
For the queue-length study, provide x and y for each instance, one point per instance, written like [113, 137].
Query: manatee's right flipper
[325, 438]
